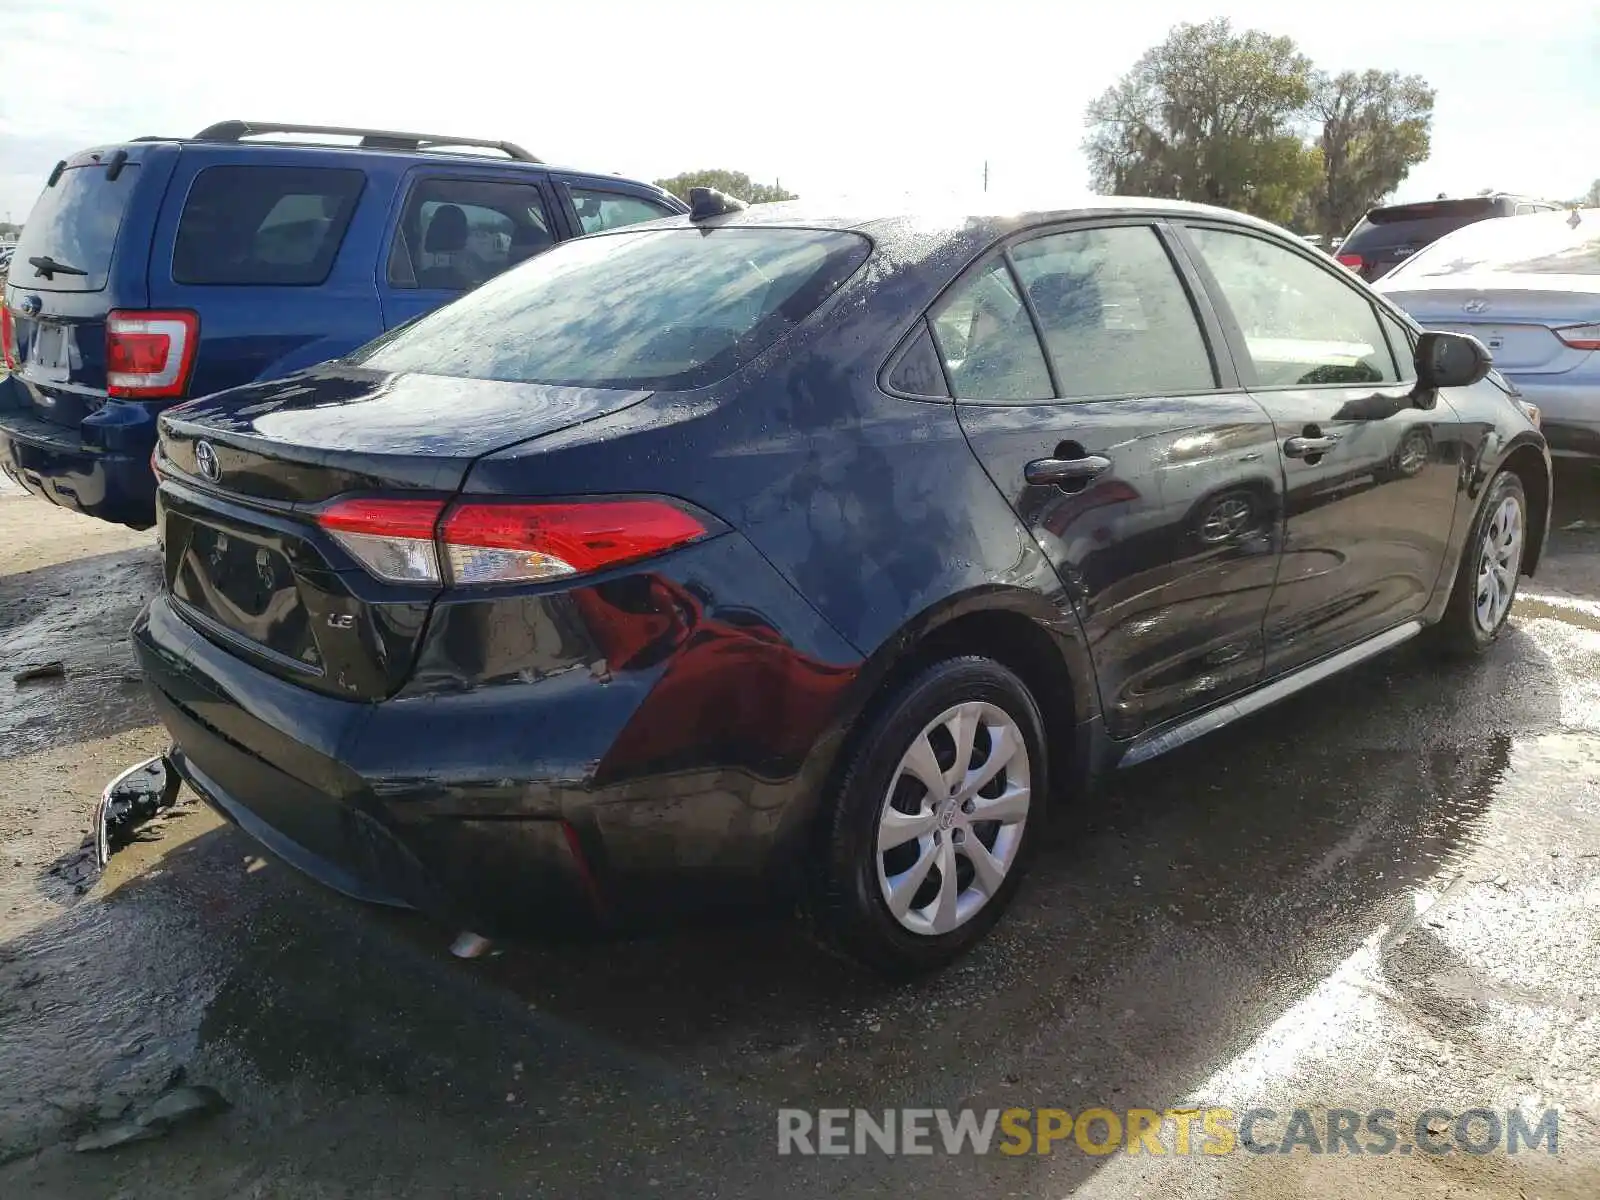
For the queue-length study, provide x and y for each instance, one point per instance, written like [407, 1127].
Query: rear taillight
[8, 339]
[149, 354]
[1354, 261]
[1580, 337]
[393, 539]
[479, 542]
[487, 542]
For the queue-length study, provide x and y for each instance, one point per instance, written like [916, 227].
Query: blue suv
[166, 268]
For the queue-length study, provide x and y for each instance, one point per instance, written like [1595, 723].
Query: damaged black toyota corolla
[774, 551]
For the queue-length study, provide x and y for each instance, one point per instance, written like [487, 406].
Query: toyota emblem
[1475, 305]
[205, 458]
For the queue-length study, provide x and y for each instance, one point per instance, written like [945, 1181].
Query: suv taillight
[476, 542]
[150, 353]
[1354, 261]
[8, 338]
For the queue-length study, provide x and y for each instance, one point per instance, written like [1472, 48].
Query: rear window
[1541, 244]
[664, 308]
[75, 224]
[264, 225]
[1415, 224]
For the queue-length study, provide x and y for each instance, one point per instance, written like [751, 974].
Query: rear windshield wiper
[44, 265]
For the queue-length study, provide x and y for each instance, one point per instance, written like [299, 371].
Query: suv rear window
[75, 223]
[1415, 224]
[655, 308]
[264, 225]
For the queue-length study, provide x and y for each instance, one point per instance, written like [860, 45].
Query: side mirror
[1451, 360]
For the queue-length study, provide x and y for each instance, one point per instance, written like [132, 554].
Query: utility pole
[986, 174]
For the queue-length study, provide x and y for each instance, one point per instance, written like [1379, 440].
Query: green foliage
[1374, 129]
[1243, 120]
[732, 183]
[1208, 115]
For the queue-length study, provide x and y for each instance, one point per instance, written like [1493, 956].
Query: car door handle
[1305, 447]
[1065, 470]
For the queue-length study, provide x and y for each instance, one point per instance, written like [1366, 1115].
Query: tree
[1592, 198]
[733, 183]
[1374, 129]
[1209, 115]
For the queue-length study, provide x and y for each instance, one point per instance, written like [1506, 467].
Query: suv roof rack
[371, 139]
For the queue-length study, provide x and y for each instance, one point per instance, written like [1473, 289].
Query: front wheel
[934, 819]
[1486, 581]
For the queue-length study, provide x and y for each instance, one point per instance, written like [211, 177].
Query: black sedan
[779, 552]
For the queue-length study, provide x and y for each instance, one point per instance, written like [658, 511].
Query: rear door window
[74, 223]
[264, 225]
[987, 340]
[457, 233]
[599, 210]
[1115, 317]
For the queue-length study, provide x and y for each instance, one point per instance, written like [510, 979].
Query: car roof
[996, 215]
[228, 136]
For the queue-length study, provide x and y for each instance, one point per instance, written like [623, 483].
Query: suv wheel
[1486, 581]
[934, 819]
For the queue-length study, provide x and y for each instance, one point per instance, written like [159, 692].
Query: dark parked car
[777, 551]
[1388, 236]
[165, 268]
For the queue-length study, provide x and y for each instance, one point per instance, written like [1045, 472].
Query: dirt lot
[1386, 893]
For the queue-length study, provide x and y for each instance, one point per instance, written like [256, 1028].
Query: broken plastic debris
[186, 1102]
[470, 945]
[130, 800]
[49, 670]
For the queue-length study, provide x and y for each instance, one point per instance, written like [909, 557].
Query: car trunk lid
[1516, 318]
[245, 475]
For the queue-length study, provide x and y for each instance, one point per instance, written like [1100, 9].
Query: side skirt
[1149, 745]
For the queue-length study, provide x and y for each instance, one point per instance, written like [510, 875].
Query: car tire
[1486, 579]
[868, 900]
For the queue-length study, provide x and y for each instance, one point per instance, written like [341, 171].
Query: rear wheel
[1486, 581]
[934, 819]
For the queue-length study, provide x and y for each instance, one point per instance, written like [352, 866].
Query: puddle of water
[79, 614]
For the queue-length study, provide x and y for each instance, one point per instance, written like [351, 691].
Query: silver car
[1529, 289]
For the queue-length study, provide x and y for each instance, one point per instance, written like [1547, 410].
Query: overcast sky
[825, 96]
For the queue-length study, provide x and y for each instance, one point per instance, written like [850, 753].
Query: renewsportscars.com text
[1172, 1131]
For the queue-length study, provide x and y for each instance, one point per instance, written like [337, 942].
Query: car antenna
[705, 203]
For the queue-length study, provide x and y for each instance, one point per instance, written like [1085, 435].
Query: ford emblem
[31, 306]
[205, 458]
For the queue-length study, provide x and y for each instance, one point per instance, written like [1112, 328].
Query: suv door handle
[1065, 470]
[1306, 447]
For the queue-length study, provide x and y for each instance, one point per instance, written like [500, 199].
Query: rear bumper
[621, 750]
[54, 461]
[1569, 414]
[266, 755]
